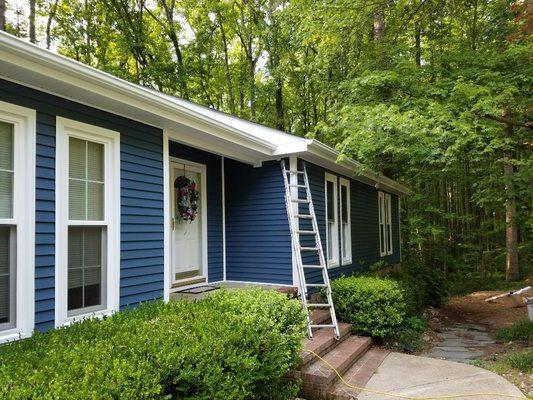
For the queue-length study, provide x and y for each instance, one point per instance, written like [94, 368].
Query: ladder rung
[306, 232]
[298, 186]
[323, 326]
[309, 248]
[300, 200]
[296, 172]
[319, 305]
[316, 285]
[307, 216]
[312, 266]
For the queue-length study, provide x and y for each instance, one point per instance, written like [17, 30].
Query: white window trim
[348, 259]
[24, 120]
[111, 139]
[334, 262]
[385, 219]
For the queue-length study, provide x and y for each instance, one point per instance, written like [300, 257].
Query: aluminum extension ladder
[299, 180]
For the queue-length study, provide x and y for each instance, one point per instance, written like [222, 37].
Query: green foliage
[521, 360]
[231, 345]
[407, 336]
[374, 306]
[418, 100]
[521, 331]
[466, 282]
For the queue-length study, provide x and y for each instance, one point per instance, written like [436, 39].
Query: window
[88, 220]
[17, 216]
[346, 226]
[385, 223]
[332, 221]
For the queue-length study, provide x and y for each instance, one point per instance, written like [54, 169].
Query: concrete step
[317, 377]
[358, 375]
[323, 340]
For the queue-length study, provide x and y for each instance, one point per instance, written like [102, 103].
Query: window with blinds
[332, 220]
[385, 223]
[346, 226]
[7, 227]
[86, 241]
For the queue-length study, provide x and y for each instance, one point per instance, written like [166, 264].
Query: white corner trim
[223, 177]
[111, 140]
[24, 121]
[293, 180]
[167, 255]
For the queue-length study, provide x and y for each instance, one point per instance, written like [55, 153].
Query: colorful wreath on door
[188, 199]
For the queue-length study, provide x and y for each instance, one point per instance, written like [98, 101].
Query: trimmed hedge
[235, 344]
[374, 306]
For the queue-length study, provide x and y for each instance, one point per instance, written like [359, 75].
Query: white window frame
[66, 128]
[333, 262]
[345, 260]
[23, 218]
[385, 221]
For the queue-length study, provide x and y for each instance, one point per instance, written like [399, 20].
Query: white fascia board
[23, 55]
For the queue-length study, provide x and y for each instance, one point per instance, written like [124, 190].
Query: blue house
[112, 194]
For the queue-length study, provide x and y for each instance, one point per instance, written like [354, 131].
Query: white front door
[188, 236]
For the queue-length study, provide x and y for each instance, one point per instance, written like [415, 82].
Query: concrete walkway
[422, 377]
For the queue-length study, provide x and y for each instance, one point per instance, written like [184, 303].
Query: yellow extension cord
[401, 396]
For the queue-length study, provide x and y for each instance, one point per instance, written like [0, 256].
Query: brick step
[358, 375]
[323, 340]
[320, 316]
[317, 377]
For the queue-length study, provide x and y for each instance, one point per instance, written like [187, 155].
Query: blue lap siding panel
[141, 264]
[213, 165]
[364, 223]
[258, 242]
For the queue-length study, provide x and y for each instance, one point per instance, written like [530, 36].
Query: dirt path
[463, 330]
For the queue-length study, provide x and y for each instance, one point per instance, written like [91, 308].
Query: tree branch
[507, 121]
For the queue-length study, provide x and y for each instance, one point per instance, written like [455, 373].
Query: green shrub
[231, 345]
[374, 306]
[521, 331]
[407, 337]
[429, 285]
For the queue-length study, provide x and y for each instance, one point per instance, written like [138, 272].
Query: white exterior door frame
[202, 170]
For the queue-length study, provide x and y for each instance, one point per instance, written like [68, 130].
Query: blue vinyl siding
[213, 165]
[364, 222]
[258, 243]
[141, 267]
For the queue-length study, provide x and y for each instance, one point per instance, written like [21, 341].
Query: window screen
[6, 170]
[85, 267]
[330, 201]
[86, 180]
[344, 203]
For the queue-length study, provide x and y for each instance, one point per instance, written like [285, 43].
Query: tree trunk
[32, 22]
[512, 272]
[279, 105]
[227, 71]
[2, 15]
[418, 52]
[378, 26]
[51, 16]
